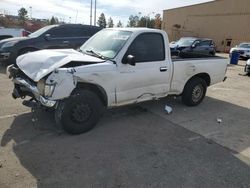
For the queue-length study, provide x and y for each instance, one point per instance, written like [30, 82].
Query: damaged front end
[24, 86]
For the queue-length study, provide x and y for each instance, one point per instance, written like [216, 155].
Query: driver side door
[150, 77]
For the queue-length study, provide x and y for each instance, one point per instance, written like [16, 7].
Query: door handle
[163, 69]
[65, 42]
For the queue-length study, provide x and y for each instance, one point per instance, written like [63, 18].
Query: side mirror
[193, 46]
[47, 37]
[131, 60]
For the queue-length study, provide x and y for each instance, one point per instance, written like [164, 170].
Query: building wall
[221, 20]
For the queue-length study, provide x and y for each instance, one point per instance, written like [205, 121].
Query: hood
[38, 64]
[14, 39]
[240, 49]
[248, 62]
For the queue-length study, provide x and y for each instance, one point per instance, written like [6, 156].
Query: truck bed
[176, 58]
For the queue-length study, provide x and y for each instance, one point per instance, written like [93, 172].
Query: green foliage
[110, 22]
[145, 21]
[53, 20]
[119, 24]
[133, 21]
[22, 15]
[102, 21]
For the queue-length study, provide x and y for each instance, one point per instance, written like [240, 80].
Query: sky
[78, 11]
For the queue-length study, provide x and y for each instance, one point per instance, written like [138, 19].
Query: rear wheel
[194, 92]
[80, 112]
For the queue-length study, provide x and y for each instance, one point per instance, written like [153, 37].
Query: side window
[205, 43]
[61, 32]
[147, 47]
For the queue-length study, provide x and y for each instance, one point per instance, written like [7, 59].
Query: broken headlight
[49, 89]
[44, 89]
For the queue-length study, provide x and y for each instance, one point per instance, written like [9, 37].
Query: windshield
[41, 31]
[245, 45]
[185, 42]
[107, 43]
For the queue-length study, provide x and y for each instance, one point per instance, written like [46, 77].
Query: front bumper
[247, 69]
[25, 86]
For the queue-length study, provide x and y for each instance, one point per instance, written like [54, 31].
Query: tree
[133, 21]
[158, 21]
[119, 24]
[22, 15]
[53, 20]
[102, 21]
[110, 22]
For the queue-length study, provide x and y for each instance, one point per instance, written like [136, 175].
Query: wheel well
[96, 89]
[203, 76]
[21, 51]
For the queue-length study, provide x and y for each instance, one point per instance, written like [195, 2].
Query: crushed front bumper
[247, 68]
[27, 87]
[23, 86]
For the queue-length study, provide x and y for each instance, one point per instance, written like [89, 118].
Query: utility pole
[95, 15]
[31, 12]
[76, 16]
[90, 23]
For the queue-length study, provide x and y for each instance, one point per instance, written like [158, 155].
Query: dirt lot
[136, 146]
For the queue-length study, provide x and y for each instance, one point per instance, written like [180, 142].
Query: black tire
[80, 112]
[194, 92]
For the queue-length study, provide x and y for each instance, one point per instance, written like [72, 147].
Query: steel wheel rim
[81, 113]
[197, 93]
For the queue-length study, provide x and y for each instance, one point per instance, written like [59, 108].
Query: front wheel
[80, 112]
[194, 92]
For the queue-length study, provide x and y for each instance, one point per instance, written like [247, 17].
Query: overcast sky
[78, 11]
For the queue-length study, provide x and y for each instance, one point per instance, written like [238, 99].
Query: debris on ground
[219, 120]
[168, 109]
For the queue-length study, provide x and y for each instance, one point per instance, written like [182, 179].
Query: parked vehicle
[247, 67]
[13, 32]
[243, 49]
[113, 68]
[193, 47]
[49, 37]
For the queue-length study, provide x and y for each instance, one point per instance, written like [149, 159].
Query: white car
[115, 67]
[243, 49]
[13, 32]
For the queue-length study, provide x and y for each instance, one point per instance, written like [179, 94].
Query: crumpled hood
[240, 49]
[248, 62]
[38, 64]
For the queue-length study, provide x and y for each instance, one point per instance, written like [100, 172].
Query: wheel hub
[81, 113]
[197, 93]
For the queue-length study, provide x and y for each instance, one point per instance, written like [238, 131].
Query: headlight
[9, 44]
[48, 90]
[44, 89]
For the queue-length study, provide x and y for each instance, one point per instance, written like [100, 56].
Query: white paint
[124, 84]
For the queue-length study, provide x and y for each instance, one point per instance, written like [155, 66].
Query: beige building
[227, 22]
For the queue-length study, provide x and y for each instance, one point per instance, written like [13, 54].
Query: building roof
[211, 1]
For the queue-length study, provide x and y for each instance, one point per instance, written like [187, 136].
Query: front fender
[65, 83]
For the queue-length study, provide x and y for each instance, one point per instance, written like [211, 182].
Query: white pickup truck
[113, 68]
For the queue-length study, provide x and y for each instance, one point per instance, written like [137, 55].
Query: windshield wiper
[96, 54]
